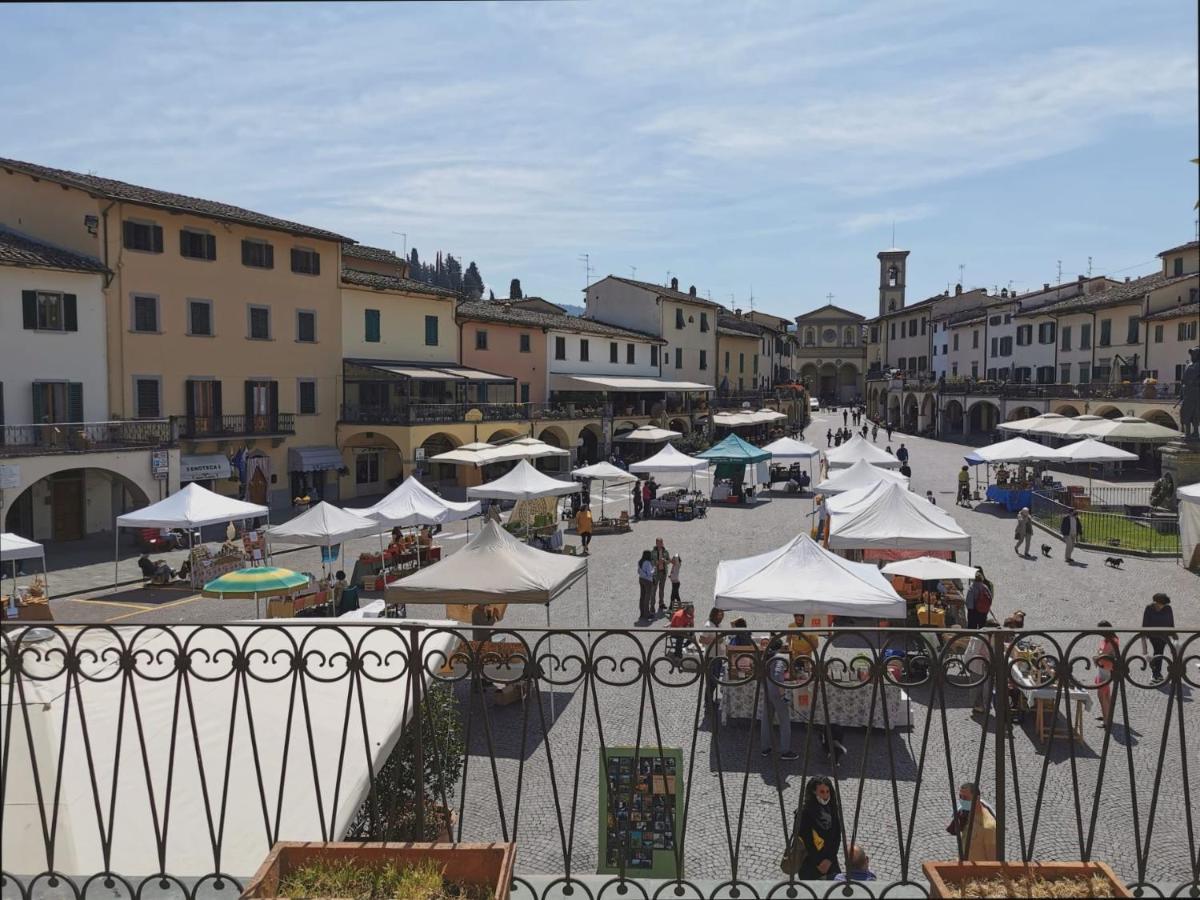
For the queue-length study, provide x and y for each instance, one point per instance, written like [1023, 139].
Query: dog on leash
[1113, 561]
[1045, 549]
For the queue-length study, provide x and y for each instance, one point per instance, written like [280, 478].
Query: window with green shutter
[197, 244]
[431, 331]
[371, 326]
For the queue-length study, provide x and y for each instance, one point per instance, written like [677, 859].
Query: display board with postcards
[641, 803]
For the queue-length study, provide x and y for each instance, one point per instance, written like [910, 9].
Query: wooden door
[258, 488]
[66, 508]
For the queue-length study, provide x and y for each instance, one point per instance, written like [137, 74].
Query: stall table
[1012, 499]
[287, 607]
[207, 567]
[1041, 698]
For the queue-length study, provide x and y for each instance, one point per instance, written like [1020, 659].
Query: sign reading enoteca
[204, 467]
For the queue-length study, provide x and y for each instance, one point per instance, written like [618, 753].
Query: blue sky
[739, 146]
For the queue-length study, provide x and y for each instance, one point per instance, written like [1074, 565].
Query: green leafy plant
[350, 879]
[390, 811]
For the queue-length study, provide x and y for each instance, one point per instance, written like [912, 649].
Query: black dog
[1045, 549]
[1114, 561]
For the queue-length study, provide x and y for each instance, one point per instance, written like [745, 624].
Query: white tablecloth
[849, 706]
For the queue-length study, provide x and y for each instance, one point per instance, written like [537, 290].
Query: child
[684, 617]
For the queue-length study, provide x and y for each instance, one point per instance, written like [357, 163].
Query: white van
[814, 405]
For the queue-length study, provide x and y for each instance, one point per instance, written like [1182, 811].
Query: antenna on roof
[751, 298]
[1089, 267]
[1059, 272]
[403, 234]
[586, 259]
[633, 272]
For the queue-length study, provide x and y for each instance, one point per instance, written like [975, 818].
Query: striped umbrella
[260, 581]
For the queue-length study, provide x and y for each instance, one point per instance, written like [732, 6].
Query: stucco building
[830, 354]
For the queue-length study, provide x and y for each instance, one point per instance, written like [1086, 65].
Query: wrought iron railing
[1109, 524]
[1086, 391]
[83, 437]
[167, 759]
[192, 427]
[433, 413]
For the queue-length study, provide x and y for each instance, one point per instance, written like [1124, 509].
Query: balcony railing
[153, 758]
[432, 413]
[193, 427]
[1168, 391]
[83, 437]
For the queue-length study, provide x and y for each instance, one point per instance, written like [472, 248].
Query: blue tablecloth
[1012, 500]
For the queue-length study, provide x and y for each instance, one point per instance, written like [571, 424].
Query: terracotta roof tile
[19, 250]
[376, 281]
[504, 313]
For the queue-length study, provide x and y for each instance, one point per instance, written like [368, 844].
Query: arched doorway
[589, 448]
[952, 418]
[439, 473]
[374, 462]
[983, 417]
[1020, 412]
[1108, 412]
[809, 376]
[927, 413]
[1161, 417]
[683, 426]
[502, 435]
[847, 383]
[1066, 409]
[71, 504]
[910, 412]
[827, 383]
[555, 437]
[258, 485]
[893, 402]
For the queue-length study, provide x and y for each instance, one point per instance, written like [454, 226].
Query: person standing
[889, 428]
[1106, 658]
[714, 660]
[902, 453]
[1023, 531]
[684, 617]
[1072, 532]
[676, 565]
[645, 573]
[874, 431]
[822, 513]
[662, 564]
[818, 824]
[1158, 614]
[775, 702]
[964, 487]
[845, 418]
[647, 496]
[974, 825]
[978, 601]
[583, 527]
[829, 438]
[637, 501]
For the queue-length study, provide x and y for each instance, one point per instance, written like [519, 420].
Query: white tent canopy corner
[858, 447]
[323, 525]
[524, 482]
[896, 519]
[1014, 450]
[861, 474]
[412, 504]
[1189, 524]
[786, 448]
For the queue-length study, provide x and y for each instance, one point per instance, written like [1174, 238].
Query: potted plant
[384, 871]
[1019, 879]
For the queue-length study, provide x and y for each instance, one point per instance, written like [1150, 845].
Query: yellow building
[223, 319]
[738, 355]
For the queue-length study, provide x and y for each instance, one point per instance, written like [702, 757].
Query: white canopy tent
[323, 525]
[1063, 427]
[649, 434]
[673, 467]
[191, 507]
[522, 448]
[524, 482]
[412, 504]
[858, 447]
[14, 547]
[861, 474]
[1024, 426]
[803, 577]
[1128, 430]
[471, 454]
[747, 417]
[1090, 450]
[787, 449]
[930, 568]
[1014, 450]
[218, 775]
[1189, 523]
[896, 520]
[615, 483]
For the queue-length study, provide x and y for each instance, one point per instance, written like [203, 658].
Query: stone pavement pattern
[727, 764]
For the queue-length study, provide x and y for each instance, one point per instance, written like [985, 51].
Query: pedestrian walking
[1105, 659]
[714, 651]
[647, 496]
[583, 527]
[845, 417]
[905, 470]
[889, 427]
[978, 600]
[775, 702]
[974, 824]
[662, 564]
[829, 438]
[822, 514]
[676, 565]
[817, 826]
[1158, 614]
[837, 439]
[1023, 532]
[637, 501]
[902, 453]
[645, 573]
[874, 432]
[1072, 532]
[964, 487]
[823, 466]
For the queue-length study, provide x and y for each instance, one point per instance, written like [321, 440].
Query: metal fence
[1110, 521]
[193, 427]
[83, 437]
[165, 760]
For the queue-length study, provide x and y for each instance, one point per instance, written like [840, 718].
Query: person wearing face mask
[820, 827]
[974, 825]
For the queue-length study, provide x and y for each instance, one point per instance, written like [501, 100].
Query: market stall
[524, 482]
[31, 602]
[896, 520]
[861, 474]
[859, 448]
[614, 485]
[1014, 490]
[740, 465]
[193, 507]
[803, 578]
[1090, 452]
[1189, 524]
[931, 587]
[650, 434]
[787, 455]
[672, 467]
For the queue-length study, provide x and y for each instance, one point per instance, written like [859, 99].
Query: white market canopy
[746, 417]
[897, 519]
[1066, 427]
[668, 459]
[860, 475]
[1130, 430]
[789, 448]
[1023, 426]
[1014, 450]
[1091, 450]
[858, 447]
[604, 471]
[288, 725]
[1189, 521]
[629, 383]
[494, 567]
[412, 504]
[191, 507]
[649, 433]
[522, 448]
[467, 455]
[323, 525]
[930, 568]
[13, 546]
[524, 482]
[803, 577]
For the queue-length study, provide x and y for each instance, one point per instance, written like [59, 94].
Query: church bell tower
[892, 265]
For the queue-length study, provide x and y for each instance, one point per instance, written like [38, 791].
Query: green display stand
[641, 803]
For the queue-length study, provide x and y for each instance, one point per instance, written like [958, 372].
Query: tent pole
[550, 649]
[587, 596]
[270, 553]
[116, 554]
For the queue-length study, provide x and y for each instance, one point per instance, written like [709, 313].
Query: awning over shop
[314, 459]
[204, 467]
[478, 375]
[434, 373]
[622, 383]
[419, 374]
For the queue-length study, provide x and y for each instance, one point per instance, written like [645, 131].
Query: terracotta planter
[945, 875]
[483, 864]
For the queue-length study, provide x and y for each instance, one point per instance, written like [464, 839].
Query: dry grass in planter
[352, 880]
[1033, 886]
[1014, 879]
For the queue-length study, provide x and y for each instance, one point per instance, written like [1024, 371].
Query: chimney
[1045, 285]
[957, 290]
[692, 291]
[674, 284]
[1081, 279]
[737, 312]
[1126, 278]
[1003, 292]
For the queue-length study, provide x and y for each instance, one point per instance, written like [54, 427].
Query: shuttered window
[560, 348]
[145, 313]
[197, 245]
[260, 323]
[147, 400]
[524, 343]
[630, 351]
[200, 317]
[679, 357]
[306, 262]
[57, 401]
[307, 396]
[306, 326]
[258, 254]
[614, 352]
[679, 323]
[371, 326]
[48, 311]
[431, 331]
[584, 351]
[144, 236]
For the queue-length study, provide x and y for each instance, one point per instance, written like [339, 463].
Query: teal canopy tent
[731, 454]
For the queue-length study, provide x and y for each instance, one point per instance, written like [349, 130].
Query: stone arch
[893, 414]
[928, 412]
[982, 417]
[1161, 417]
[952, 417]
[1021, 412]
[591, 444]
[810, 336]
[624, 426]
[847, 381]
[1067, 409]
[71, 503]
[554, 436]
[1108, 411]
[389, 463]
[683, 426]
[827, 381]
[500, 435]
[910, 411]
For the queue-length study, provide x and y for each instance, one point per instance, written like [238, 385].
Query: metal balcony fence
[193, 427]
[165, 760]
[83, 437]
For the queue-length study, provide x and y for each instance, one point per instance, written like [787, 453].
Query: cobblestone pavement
[895, 788]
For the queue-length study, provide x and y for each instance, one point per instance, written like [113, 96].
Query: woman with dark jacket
[820, 827]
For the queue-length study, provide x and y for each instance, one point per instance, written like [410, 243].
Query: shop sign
[160, 463]
[10, 477]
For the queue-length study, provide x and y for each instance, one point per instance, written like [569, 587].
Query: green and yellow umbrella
[260, 581]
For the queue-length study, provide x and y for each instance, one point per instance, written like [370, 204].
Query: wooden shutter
[39, 402]
[296, 256]
[249, 399]
[210, 246]
[184, 249]
[273, 404]
[157, 238]
[29, 310]
[127, 229]
[189, 400]
[316, 263]
[74, 401]
[216, 402]
[270, 256]
[70, 313]
[245, 253]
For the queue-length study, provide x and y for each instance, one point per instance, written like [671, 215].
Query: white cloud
[872, 221]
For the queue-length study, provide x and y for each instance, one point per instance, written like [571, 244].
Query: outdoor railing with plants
[81, 437]
[1114, 526]
[165, 761]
